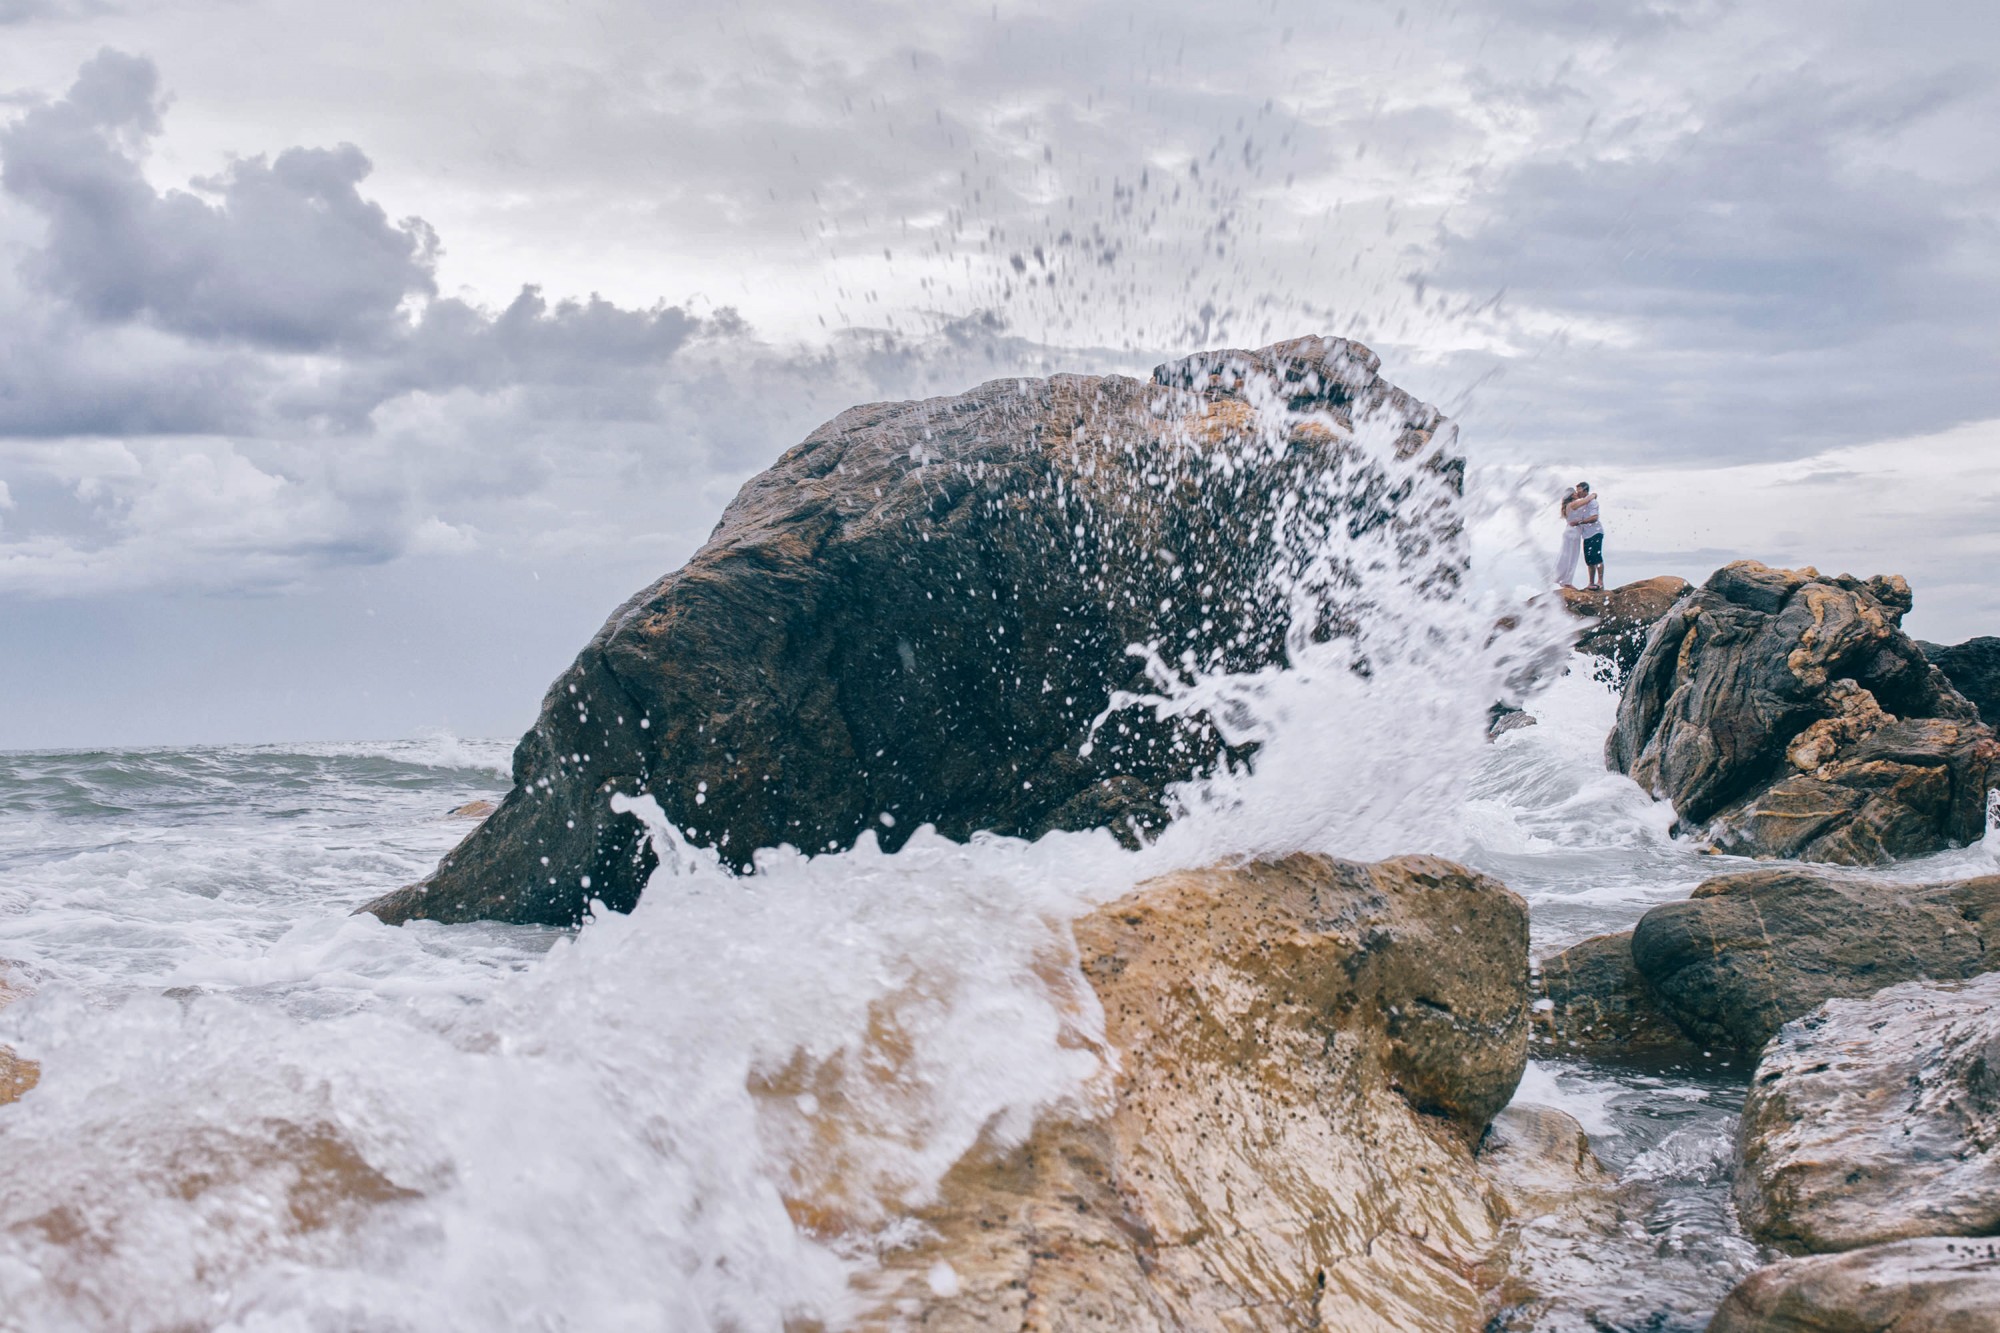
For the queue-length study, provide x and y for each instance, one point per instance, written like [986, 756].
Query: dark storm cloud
[158, 313]
[236, 386]
[283, 254]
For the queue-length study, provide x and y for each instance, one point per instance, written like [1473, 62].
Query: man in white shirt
[1585, 518]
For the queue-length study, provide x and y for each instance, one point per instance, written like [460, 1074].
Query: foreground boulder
[922, 614]
[1911, 1286]
[1973, 668]
[1877, 1120]
[1750, 952]
[1623, 617]
[1308, 1052]
[1786, 714]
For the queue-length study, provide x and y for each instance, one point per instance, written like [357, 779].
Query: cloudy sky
[356, 359]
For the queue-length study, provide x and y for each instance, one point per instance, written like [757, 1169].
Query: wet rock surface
[1786, 714]
[917, 615]
[1877, 1120]
[1932, 1285]
[17, 1076]
[1974, 670]
[1748, 952]
[1308, 1052]
[1596, 997]
[1562, 1206]
[1624, 616]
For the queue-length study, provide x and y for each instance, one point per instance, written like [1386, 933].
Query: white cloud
[1919, 506]
[307, 297]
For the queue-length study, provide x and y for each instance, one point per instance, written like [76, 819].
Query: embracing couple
[1583, 531]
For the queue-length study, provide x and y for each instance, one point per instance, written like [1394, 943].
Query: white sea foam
[258, 1111]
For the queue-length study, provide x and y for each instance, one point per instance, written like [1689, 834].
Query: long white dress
[1580, 522]
[1572, 551]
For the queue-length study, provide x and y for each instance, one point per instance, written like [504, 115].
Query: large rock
[1307, 1052]
[1912, 1286]
[1877, 1120]
[1787, 714]
[1747, 953]
[1593, 996]
[1974, 670]
[918, 615]
[1623, 617]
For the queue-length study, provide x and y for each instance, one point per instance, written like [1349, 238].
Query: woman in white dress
[1572, 543]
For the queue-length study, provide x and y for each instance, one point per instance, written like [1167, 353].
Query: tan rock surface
[1932, 1285]
[1877, 1120]
[1307, 1053]
[1624, 616]
[17, 1076]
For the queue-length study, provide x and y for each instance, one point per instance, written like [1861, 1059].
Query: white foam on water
[437, 749]
[699, 1115]
[260, 1112]
[1586, 1101]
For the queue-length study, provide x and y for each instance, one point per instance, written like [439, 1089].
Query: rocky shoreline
[1310, 1055]
[1868, 1006]
[925, 615]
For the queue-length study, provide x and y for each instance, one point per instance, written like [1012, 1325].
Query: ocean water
[259, 1111]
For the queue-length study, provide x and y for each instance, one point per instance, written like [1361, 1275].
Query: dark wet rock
[1593, 996]
[1749, 952]
[1877, 1120]
[1974, 670]
[916, 615]
[1932, 1285]
[1624, 617]
[1307, 1053]
[1503, 718]
[1786, 714]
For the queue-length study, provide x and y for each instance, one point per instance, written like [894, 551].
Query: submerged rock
[1307, 1053]
[1913, 1286]
[922, 614]
[1624, 617]
[1595, 996]
[1973, 668]
[1788, 715]
[1877, 1120]
[1561, 1205]
[1749, 952]
[17, 1076]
